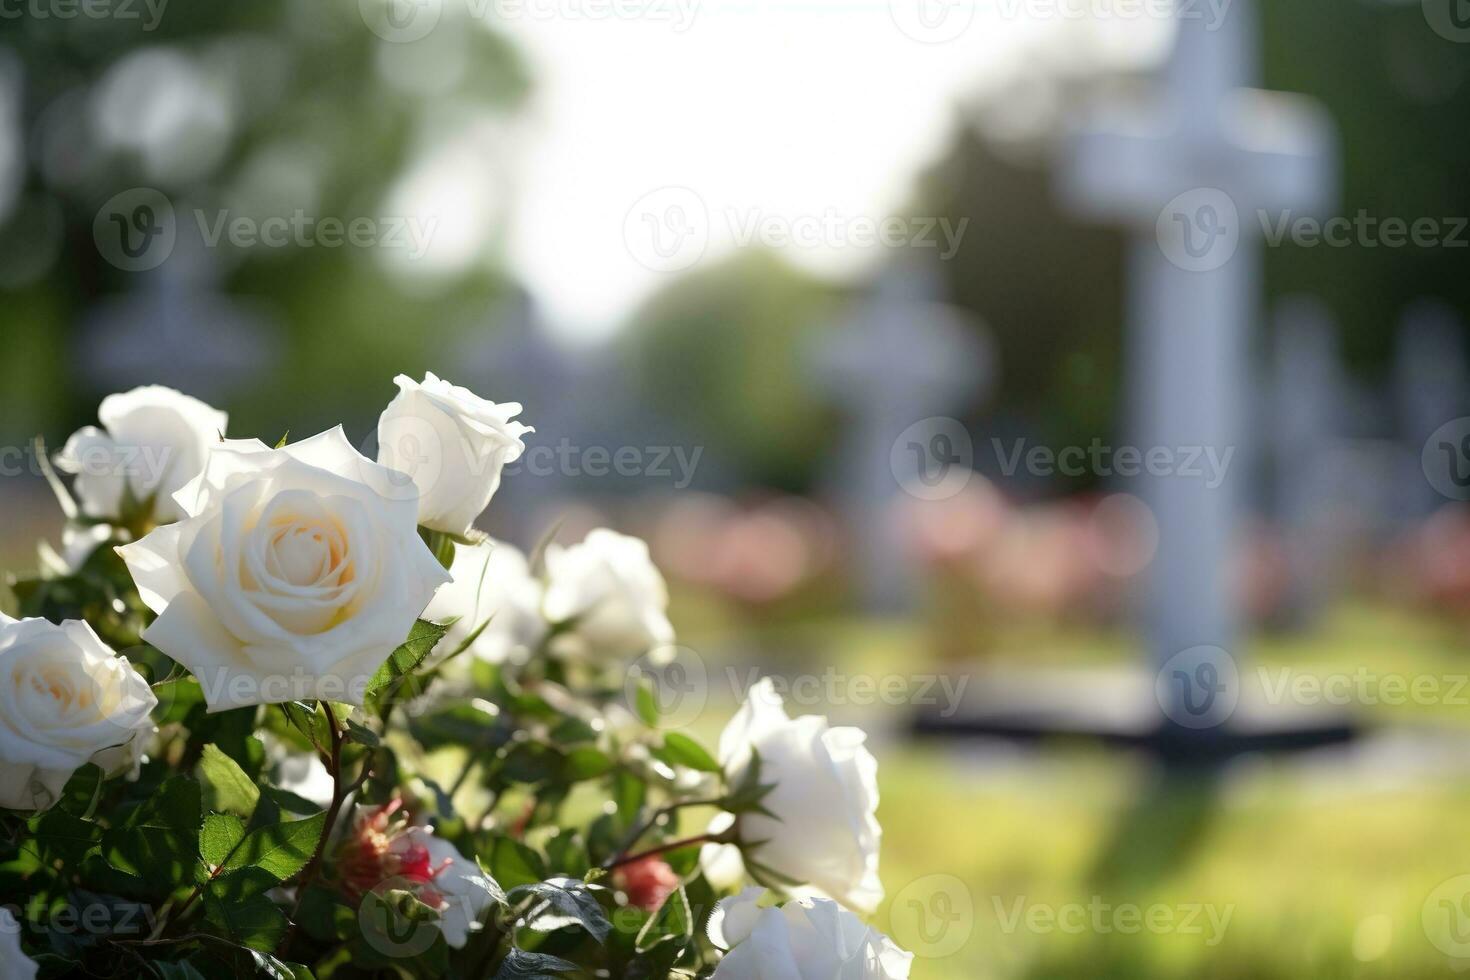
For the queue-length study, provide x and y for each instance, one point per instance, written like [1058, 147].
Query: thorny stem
[340, 793]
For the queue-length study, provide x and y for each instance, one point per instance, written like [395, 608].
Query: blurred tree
[1052, 287]
[726, 351]
[251, 111]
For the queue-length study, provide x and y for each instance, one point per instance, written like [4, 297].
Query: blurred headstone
[903, 362]
[1431, 376]
[177, 330]
[1189, 173]
[1305, 426]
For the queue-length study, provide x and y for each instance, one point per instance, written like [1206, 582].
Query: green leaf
[646, 703]
[281, 849]
[674, 922]
[226, 788]
[514, 865]
[563, 903]
[521, 965]
[236, 903]
[159, 840]
[59, 834]
[470, 725]
[362, 734]
[681, 750]
[405, 660]
[586, 763]
[218, 838]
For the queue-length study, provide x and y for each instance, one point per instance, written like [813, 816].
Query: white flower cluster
[291, 573]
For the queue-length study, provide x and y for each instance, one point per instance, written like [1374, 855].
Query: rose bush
[316, 726]
[293, 575]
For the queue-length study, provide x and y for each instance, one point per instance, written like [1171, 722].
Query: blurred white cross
[1193, 174]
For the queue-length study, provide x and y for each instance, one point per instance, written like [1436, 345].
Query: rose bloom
[452, 444]
[14, 963]
[825, 831]
[808, 939]
[610, 594]
[386, 850]
[294, 575]
[65, 700]
[492, 581]
[153, 441]
[648, 882]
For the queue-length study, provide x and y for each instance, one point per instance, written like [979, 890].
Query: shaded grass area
[1258, 874]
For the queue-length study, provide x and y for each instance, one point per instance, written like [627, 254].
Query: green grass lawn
[1050, 865]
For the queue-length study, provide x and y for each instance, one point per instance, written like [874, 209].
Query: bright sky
[659, 140]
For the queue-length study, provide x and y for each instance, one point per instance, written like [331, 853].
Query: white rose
[294, 575]
[453, 444]
[825, 832]
[808, 939]
[462, 888]
[65, 700]
[153, 441]
[608, 589]
[492, 581]
[14, 963]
